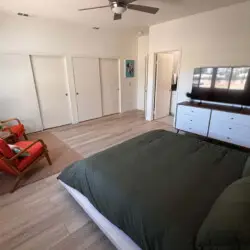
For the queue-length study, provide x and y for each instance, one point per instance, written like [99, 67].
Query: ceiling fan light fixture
[118, 8]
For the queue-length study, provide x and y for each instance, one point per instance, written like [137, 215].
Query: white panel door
[88, 88]
[52, 90]
[17, 92]
[163, 84]
[110, 86]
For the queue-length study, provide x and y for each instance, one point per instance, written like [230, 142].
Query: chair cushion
[35, 151]
[18, 130]
[5, 150]
[17, 150]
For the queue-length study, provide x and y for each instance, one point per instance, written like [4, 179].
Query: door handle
[77, 93]
[66, 94]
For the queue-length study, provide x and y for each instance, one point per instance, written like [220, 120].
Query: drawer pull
[191, 120]
[228, 138]
[232, 118]
[230, 128]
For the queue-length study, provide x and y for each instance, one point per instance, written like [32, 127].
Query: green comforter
[158, 187]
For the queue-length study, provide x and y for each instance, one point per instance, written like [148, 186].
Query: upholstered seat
[35, 151]
[17, 130]
[18, 164]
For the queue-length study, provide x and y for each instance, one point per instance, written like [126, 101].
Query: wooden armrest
[11, 120]
[10, 164]
[24, 150]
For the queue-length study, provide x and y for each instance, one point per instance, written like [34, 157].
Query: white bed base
[115, 235]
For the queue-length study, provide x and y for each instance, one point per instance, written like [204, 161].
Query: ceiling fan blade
[117, 16]
[147, 9]
[129, 1]
[93, 8]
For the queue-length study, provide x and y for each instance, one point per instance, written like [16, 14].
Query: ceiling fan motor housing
[118, 7]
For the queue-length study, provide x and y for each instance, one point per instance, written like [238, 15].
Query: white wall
[29, 36]
[142, 52]
[18, 93]
[214, 38]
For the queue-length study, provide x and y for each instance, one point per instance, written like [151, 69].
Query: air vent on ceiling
[22, 14]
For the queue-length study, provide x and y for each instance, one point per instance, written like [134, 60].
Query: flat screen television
[222, 84]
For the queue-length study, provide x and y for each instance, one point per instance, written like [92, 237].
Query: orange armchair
[11, 163]
[16, 130]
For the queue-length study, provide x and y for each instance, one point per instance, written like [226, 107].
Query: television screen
[222, 84]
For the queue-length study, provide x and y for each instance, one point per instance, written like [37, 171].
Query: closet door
[88, 88]
[52, 90]
[110, 86]
[17, 91]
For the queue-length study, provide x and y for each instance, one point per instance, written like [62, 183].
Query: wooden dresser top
[243, 111]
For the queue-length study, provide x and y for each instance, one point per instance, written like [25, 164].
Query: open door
[164, 75]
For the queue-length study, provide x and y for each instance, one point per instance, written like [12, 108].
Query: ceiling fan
[118, 7]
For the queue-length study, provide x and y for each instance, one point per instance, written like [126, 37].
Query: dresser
[224, 123]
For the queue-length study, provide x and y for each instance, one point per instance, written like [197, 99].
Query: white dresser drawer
[241, 140]
[220, 137]
[219, 130]
[193, 111]
[241, 119]
[230, 132]
[192, 127]
[221, 116]
[200, 129]
[231, 117]
[203, 119]
[193, 120]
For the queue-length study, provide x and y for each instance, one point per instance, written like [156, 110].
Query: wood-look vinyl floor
[43, 215]
[90, 137]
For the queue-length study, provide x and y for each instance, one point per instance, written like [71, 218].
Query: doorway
[166, 77]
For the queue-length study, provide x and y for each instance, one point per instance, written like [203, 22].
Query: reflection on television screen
[222, 84]
[222, 78]
[239, 78]
[206, 78]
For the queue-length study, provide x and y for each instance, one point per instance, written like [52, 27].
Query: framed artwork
[130, 68]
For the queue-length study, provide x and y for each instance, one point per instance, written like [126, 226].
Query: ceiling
[66, 10]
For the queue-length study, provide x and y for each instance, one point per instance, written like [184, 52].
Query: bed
[153, 191]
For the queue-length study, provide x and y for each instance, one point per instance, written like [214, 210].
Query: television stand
[224, 123]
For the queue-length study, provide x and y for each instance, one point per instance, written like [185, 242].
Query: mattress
[158, 187]
[114, 234]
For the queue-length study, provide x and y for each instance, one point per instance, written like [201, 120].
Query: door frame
[155, 76]
[146, 85]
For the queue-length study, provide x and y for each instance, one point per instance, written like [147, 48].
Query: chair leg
[25, 136]
[18, 179]
[48, 158]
